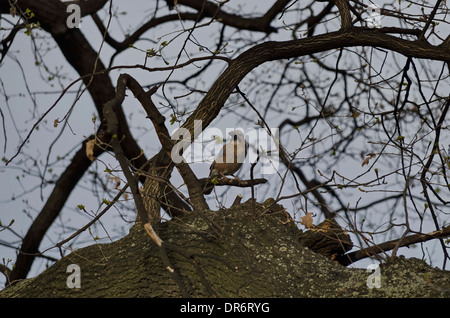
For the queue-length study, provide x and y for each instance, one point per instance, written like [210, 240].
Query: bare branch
[352, 257]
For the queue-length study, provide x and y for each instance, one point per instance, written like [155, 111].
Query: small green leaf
[151, 52]
[173, 119]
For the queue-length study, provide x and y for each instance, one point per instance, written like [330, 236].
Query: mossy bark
[232, 253]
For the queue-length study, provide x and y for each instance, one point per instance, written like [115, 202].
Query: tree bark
[252, 256]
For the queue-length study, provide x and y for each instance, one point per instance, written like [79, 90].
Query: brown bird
[231, 157]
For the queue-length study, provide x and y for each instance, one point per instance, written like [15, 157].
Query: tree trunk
[245, 254]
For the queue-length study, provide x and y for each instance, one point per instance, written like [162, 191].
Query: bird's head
[237, 135]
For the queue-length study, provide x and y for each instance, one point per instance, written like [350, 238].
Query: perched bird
[231, 157]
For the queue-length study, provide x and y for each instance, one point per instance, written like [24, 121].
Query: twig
[97, 217]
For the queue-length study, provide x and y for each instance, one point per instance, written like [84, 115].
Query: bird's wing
[218, 158]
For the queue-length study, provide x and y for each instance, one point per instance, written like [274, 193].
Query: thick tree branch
[88, 7]
[229, 182]
[261, 24]
[5, 271]
[344, 11]
[352, 257]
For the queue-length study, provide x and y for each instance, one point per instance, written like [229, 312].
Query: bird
[231, 156]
